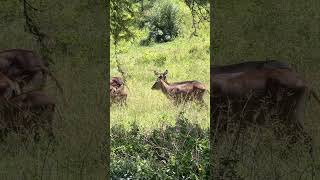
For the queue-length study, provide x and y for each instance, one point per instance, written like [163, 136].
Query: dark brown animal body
[180, 91]
[28, 112]
[250, 94]
[117, 91]
[26, 68]
[116, 82]
[249, 66]
[8, 88]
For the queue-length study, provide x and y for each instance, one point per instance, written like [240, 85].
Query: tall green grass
[186, 58]
[282, 30]
[151, 115]
[80, 119]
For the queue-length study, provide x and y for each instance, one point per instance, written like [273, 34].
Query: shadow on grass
[170, 152]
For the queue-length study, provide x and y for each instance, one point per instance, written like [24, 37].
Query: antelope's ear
[156, 73]
[166, 72]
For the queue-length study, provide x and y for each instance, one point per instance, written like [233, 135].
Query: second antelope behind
[179, 92]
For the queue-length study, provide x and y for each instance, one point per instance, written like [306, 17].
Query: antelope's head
[160, 76]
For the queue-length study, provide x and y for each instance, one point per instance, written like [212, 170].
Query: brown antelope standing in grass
[180, 92]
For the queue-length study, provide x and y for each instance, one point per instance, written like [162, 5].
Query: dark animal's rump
[256, 89]
[25, 67]
[248, 66]
[28, 112]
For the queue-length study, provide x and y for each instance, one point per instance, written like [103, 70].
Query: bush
[172, 152]
[163, 22]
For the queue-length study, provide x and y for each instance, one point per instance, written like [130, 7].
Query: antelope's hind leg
[199, 99]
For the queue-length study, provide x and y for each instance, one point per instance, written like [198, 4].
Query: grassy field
[80, 121]
[185, 59]
[283, 30]
[151, 112]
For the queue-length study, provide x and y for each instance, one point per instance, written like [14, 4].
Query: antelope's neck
[164, 87]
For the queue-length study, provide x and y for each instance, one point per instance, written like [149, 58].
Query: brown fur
[249, 66]
[29, 112]
[254, 93]
[25, 67]
[8, 88]
[180, 91]
[117, 91]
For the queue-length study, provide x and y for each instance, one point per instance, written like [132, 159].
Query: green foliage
[200, 12]
[154, 148]
[77, 37]
[172, 152]
[123, 14]
[160, 61]
[164, 22]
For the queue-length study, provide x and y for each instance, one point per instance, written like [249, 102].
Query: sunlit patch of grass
[151, 111]
[184, 58]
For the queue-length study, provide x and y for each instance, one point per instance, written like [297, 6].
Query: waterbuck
[249, 66]
[255, 93]
[117, 91]
[180, 92]
[25, 67]
[28, 112]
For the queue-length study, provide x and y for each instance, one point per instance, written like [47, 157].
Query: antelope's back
[248, 66]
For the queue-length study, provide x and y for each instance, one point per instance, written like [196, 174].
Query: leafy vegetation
[164, 22]
[151, 139]
[171, 152]
[123, 14]
[76, 38]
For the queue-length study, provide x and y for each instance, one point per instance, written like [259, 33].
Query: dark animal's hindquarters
[199, 97]
[249, 66]
[28, 114]
[31, 82]
[275, 91]
[27, 68]
[8, 88]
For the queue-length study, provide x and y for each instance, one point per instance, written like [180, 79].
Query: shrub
[163, 22]
[172, 152]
